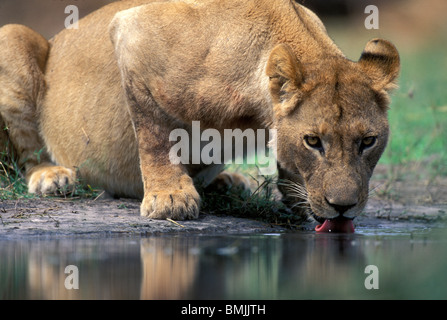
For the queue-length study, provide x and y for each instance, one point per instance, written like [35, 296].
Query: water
[411, 264]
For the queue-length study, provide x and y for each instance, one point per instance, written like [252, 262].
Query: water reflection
[266, 266]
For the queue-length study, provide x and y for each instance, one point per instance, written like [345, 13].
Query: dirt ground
[88, 218]
[397, 203]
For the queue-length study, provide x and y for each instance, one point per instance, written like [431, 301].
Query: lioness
[102, 100]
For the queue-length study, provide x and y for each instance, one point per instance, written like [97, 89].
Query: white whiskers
[298, 191]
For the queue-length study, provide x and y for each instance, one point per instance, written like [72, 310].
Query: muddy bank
[393, 202]
[50, 217]
[89, 218]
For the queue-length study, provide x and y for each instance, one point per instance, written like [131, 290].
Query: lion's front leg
[169, 191]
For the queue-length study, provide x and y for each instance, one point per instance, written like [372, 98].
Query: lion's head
[332, 127]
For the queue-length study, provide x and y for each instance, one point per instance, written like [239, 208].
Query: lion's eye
[367, 142]
[314, 142]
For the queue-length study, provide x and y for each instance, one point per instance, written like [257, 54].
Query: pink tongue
[339, 225]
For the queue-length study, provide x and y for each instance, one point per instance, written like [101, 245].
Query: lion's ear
[286, 75]
[380, 61]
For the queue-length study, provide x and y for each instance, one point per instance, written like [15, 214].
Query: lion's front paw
[51, 180]
[180, 203]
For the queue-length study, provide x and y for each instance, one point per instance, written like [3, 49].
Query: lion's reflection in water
[169, 267]
[275, 266]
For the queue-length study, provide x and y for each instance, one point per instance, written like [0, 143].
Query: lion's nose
[340, 207]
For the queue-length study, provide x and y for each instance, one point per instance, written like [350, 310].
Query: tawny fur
[101, 100]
